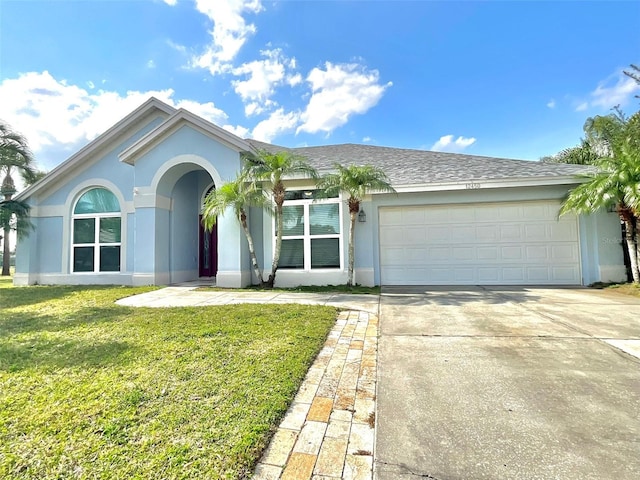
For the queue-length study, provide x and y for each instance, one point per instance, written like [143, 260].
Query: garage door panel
[562, 253]
[488, 233]
[537, 231]
[511, 252]
[487, 253]
[563, 230]
[511, 233]
[437, 254]
[513, 274]
[439, 233]
[462, 234]
[478, 244]
[537, 253]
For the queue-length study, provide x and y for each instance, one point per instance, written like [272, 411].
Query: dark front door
[208, 251]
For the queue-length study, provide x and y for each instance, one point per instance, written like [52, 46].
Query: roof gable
[147, 111]
[180, 118]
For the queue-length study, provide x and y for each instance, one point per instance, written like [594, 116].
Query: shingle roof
[420, 167]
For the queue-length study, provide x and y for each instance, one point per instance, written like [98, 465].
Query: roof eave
[95, 145]
[151, 139]
[478, 184]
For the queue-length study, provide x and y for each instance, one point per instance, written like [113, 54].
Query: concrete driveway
[508, 383]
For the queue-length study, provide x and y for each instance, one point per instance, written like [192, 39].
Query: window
[96, 232]
[311, 234]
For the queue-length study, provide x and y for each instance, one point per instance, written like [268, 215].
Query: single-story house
[126, 209]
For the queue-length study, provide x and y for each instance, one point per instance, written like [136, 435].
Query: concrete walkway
[188, 295]
[328, 431]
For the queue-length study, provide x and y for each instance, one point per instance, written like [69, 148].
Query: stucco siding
[105, 165]
[185, 141]
[184, 227]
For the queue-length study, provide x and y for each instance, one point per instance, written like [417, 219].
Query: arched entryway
[183, 249]
[208, 244]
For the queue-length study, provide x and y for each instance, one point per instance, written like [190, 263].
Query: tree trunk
[276, 254]
[6, 258]
[252, 252]
[636, 221]
[6, 251]
[352, 231]
[354, 208]
[632, 248]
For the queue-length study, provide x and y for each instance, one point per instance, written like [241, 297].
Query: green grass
[624, 288]
[89, 389]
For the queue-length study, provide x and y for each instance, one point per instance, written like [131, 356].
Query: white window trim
[306, 237]
[96, 240]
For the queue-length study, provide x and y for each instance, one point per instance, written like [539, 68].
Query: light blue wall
[107, 166]
[144, 244]
[601, 248]
[50, 245]
[184, 224]
[185, 140]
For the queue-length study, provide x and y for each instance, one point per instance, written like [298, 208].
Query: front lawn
[89, 389]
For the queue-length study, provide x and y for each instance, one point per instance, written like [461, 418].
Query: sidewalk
[189, 296]
[328, 431]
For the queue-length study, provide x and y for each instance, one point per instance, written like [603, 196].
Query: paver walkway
[328, 432]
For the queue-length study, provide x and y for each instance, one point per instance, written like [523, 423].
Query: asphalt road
[508, 383]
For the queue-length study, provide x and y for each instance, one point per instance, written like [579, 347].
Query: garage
[479, 244]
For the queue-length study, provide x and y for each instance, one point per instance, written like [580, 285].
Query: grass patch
[356, 289]
[632, 289]
[90, 389]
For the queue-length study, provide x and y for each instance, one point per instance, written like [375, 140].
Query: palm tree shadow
[28, 341]
[455, 295]
[22, 296]
[19, 323]
[46, 353]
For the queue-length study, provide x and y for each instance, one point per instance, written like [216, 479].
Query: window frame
[307, 237]
[96, 244]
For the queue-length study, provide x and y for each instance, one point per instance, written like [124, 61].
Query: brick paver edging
[328, 432]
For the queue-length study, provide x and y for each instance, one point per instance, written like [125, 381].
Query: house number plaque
[472, 186]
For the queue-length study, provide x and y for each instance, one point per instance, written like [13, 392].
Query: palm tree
[272, 168]
[583, 154]
[356, 181]
[14, 155]
[616, 183]
[238, 195]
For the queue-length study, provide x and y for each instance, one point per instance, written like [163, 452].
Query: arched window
[96, 232]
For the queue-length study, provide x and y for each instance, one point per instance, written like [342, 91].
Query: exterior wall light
[362, 217]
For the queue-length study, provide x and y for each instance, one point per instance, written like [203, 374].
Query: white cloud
[263, 77]
[57, 118]
[177, 47]
[171, 3]
[229, 33]
[367, 139]
[615, 90]
[581, 107]
[338, 92]
[551, 103]
[448, 144]
[278, 122]
[151, 64]
[237, 130]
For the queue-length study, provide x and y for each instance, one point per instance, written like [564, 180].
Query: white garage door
[478, 244]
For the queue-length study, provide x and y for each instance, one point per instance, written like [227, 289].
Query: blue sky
[504, 78]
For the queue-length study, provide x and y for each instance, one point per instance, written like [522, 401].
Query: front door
[208, 251]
